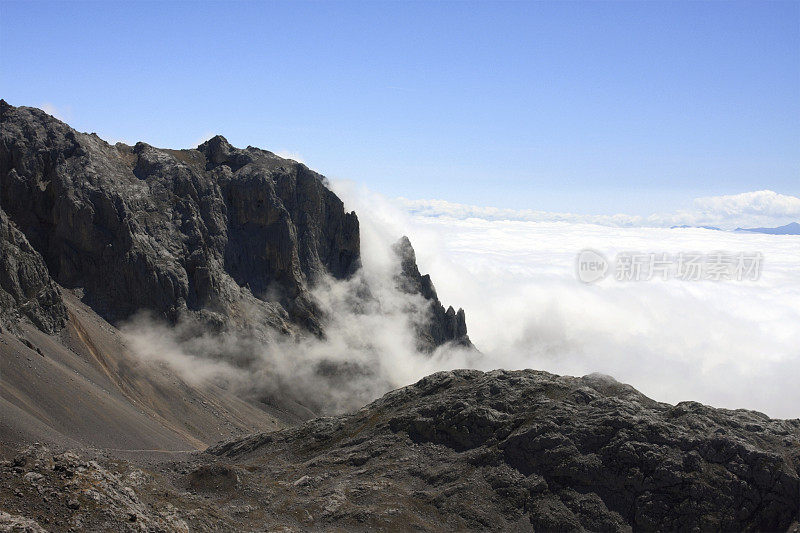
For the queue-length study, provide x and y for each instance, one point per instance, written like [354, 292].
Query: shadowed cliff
[172, 231]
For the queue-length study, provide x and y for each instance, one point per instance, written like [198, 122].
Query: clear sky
[584, 107]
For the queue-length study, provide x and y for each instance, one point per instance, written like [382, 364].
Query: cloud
[757, 203]
[729, 344]
[369, 346]
[443, 208]
[750, 209]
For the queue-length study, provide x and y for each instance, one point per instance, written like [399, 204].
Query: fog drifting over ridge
[733, 344]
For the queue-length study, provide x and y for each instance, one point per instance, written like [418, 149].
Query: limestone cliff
[211, 231]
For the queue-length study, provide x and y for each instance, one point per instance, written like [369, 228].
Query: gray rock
[26, 289]
[232, 237]
[201, 231]
[21, 524]
[529, 450]
[96, 499]
[457, 451]
[443, 326]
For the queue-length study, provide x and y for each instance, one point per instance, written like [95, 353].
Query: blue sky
[583, 107]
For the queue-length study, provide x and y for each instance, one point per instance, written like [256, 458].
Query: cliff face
[209, 231]
[25, 285]
[227, 244]
[443, 326]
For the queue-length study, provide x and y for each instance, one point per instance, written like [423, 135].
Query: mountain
[685, 226]
[199, 231]
[241, 270]
[793, 228]
[457, 451]
[68, 378]
[217, 240]
[203, 232]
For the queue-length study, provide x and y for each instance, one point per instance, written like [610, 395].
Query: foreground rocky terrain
[460, 450]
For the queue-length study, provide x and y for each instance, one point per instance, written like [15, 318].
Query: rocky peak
[443, 326]
[410, 280]
[217, 150]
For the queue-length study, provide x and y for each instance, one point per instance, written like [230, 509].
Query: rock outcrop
[457, 451]
[216, 231]
[66, 492]
[532, 451]
[26, 289]
[443, 326]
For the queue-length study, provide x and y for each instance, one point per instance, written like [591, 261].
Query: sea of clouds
[733, 344]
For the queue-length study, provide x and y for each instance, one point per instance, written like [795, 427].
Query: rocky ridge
[532, 451]
[207, 231]
[461, 450]
[231, 237]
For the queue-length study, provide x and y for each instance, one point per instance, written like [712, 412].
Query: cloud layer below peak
[725, 343]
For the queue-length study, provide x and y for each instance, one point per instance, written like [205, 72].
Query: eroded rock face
[209, 230]
[228, 236]
[529, 450]
[443, 326]
[26, 289]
